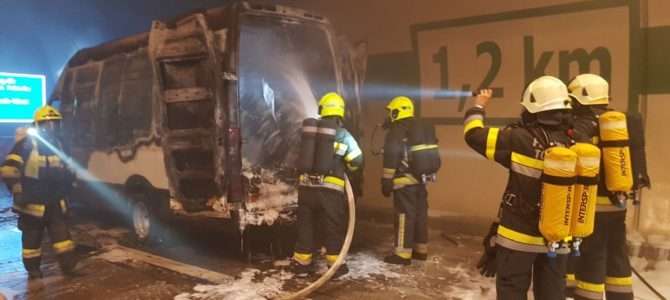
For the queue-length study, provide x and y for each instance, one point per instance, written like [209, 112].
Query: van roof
[141, 40]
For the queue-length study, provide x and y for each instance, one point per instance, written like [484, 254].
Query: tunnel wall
[405, 41]
[511, 42]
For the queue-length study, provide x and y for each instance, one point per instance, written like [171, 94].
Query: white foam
[246, 287]
[276, 200]
[470, 285]
[368, 266]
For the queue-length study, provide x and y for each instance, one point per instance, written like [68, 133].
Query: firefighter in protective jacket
[40, 182]
[516, 251]
[322, 205]
[603, 266]
[410, 198]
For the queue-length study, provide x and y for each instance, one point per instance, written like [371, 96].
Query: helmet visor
[49, 128]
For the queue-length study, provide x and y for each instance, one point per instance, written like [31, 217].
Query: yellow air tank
[615, 152]
[586, 192]
[558, 180]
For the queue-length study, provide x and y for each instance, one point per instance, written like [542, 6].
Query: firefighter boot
[341, 271]
[397, 260]
[420, 251]
[301, 270]
[68, 262]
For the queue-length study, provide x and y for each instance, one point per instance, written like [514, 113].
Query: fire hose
[646, 283]
[340, 258]
[636, 221]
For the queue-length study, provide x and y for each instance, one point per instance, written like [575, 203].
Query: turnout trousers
[32, 228]
[516, 270]
[320, 211]
[411, 220]
[603, 266]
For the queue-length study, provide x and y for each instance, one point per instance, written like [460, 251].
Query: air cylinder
[615, 152]
[307, 145]
[586, 189]
[324, 158]
[558, 185]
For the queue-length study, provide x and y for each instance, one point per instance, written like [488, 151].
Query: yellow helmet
[400, 108]
[47, 113]
[331, 104]
[590, 89]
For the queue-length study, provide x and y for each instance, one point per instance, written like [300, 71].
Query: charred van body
[203, 115]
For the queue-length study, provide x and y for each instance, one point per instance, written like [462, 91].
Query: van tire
[144, 220]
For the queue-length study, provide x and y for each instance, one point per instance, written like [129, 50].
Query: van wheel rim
[141, 220]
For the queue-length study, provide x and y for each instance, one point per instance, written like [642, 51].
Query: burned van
[200, 116]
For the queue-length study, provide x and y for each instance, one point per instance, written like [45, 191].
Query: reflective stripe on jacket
[36, 177]
[396, 161]
[520, 149]
[348, 157]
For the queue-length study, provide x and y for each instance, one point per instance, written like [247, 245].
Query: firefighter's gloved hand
[387, 187]
[487, 263]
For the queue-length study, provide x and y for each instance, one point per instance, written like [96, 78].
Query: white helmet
[590, 89]
[546, 93]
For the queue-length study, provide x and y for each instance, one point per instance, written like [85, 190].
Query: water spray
[380, 91]
[112, 197]
[78, 169]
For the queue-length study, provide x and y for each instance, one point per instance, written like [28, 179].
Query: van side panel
[108, 167]
[108, 125]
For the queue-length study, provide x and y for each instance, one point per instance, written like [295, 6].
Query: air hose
[340, 258]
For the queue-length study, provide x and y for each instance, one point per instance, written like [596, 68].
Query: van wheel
[144, 221]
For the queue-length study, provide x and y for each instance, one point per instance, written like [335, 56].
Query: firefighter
[322, 204]
[39, 182]
[603, 265]
[515, 250]
[410, 198]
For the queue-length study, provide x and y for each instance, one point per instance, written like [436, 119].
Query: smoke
[283, 70]
[289, 99]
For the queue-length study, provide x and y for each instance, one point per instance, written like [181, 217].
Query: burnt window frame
[79, 105]
[124, 105]
[108, 108]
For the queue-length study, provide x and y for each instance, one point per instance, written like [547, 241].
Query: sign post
[20, 96]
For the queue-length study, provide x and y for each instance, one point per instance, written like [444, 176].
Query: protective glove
[487, 263]
[387, 187]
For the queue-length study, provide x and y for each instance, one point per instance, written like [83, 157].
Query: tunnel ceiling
[40, 36]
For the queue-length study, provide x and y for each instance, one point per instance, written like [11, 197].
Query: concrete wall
[627, 42]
